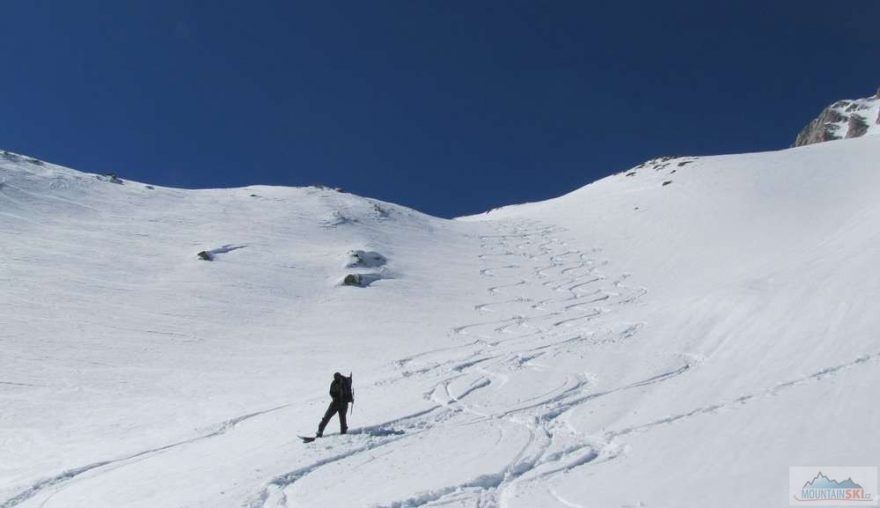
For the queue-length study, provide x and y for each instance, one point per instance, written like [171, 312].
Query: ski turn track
[499, 396]
[514, 374]
[503, 376]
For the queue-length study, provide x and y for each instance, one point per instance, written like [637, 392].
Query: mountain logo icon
[823, 482]
[823, 489]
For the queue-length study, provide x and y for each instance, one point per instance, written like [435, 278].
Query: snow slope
[633, 343]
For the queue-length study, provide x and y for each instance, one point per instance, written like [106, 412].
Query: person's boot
[320, 433]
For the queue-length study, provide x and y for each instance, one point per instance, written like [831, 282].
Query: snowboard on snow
[309, 439]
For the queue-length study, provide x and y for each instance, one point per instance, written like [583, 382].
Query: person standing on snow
[340, 392]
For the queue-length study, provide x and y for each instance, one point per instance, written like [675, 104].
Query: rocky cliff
[843, 119]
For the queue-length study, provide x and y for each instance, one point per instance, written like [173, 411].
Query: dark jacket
[340, 389]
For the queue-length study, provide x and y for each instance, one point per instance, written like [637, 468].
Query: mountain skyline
[448, 108]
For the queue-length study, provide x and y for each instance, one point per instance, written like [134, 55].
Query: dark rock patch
[339, 219]
[858, 126]
[365, 259]
[209, 255]
[360, 280]
[110, 177]
[380, 211]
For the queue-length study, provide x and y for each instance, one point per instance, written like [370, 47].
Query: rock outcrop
[843, 119]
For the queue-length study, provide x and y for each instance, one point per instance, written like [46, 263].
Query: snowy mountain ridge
[842, 120]
[683, 316]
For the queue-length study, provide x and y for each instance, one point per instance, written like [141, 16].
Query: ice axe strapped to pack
[348, 391]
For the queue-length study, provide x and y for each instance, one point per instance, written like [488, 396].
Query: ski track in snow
[743, 399]
[73, 473]
[579, 312]
[579, 316]
[494, 349]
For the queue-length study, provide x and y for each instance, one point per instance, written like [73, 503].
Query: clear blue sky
[451, 107]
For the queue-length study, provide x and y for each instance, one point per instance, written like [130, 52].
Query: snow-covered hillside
[658, 338]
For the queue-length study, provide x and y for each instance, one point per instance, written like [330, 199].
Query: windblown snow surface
[635, 343]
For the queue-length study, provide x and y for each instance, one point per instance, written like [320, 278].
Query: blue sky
[450, 107]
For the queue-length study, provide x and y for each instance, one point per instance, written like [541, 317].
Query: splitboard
[309, 439]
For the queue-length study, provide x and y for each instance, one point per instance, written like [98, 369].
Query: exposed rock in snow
[209, 255]
[360, 280]
[365, 259]
[110, 177]
[843, 119]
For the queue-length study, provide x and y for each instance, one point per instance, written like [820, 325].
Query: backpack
[347, 390]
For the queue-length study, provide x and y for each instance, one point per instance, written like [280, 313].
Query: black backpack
[347, 390]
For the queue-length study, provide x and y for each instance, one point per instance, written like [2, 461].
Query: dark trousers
[337, 406]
